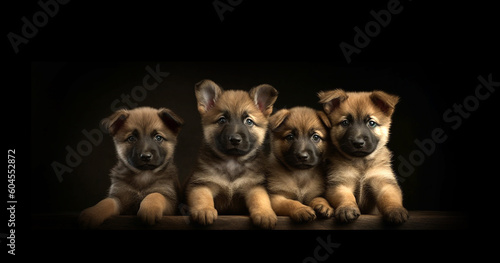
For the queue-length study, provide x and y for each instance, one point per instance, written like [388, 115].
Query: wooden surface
[419, 220]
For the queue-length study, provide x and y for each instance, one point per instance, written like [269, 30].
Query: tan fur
[149, 193]
[237, 101]
[362, 184]
[153, 207]
[358, 104]
[94, 216]
[297, 192]
[259, 207]
[202, 201]
[221, 183]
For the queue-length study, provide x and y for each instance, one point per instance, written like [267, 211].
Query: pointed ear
[114, 122]
[385, 102]
[324, 119]
[207, 93]
[264, 97]
[171, 120]
[331, 99]
[278, 118]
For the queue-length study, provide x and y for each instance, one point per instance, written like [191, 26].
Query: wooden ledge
[419, 220]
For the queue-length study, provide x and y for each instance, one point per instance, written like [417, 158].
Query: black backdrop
[429, 54]
[75, 161]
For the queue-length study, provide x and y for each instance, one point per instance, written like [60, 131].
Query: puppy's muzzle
[359, 142]
[235, 139]
[302, 156]
[146, 156]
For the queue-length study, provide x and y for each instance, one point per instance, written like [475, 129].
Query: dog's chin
[146, 167]
[354, 152]
[359, 153]
[235, 152]
[302, 166]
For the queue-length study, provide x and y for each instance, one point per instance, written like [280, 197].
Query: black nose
[146, 157]
[358, 143]
[235, 139]
[302, 156]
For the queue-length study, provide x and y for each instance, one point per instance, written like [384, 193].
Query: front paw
[395, 215]
[90, 218]
[150, 214]
[303, 214]
[203, 216]
[323, 210]
[266, 220]
[347, 214]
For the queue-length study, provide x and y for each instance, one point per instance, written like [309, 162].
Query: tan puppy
[360, 172]
[229, 177]
[296, 168]
[144, 181]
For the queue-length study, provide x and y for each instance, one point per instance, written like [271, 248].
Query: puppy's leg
[259, 206]
[292, 208]
[390, 204]
[388, 195]
[343, 200]
[153, 207]
[93, 216]
[321, 206]
[201, 205]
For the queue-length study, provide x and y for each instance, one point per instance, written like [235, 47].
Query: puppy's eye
[158, 138]
[289, 137]
[371, 124]
[222, 120]
[131, 138]
[345, 123]
[248, 121]
[316, 138]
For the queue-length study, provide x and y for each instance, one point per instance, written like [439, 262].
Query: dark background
[430, 55]
[78, 95]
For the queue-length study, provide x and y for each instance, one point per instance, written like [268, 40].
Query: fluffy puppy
[296, 170]
[144, 181]
[360, 177]
[229, 176]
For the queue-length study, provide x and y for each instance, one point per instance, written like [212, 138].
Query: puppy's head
[360, 120]
[234, 121]
[144, 137]
[299, 136]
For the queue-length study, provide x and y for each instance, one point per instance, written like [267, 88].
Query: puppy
[360, 177]
[296, 172]
[144, 181]
[229, 176]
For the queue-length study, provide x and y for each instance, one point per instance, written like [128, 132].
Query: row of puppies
[327, 163]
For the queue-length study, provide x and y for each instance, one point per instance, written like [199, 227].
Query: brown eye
[222, 120]
[131, 138]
